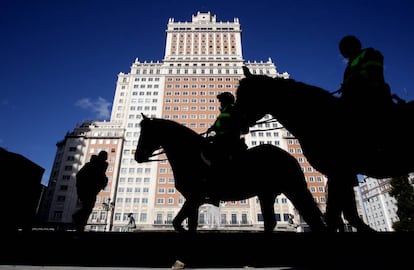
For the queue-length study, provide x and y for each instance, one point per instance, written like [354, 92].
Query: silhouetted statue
[331, 147]
[90, 180]
[21, 184]
[228, 129]
[264, 171]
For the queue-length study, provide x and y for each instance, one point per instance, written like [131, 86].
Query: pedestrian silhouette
[90, 180]
[131, 223]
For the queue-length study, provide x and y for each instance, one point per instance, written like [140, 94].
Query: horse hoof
[180, 229]
[365, 229]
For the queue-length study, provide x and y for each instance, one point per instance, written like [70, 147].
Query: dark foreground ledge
[211, 249]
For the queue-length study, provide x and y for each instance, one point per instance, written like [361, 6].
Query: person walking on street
[131, 223]
[90, 180]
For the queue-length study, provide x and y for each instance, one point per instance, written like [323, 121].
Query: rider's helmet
[103, 155]
[350, 46]
[226, 98]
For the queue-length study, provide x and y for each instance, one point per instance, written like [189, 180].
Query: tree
[403, 192]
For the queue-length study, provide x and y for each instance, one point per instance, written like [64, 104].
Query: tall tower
[202, 59]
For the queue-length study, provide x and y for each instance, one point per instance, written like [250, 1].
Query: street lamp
[108, 206]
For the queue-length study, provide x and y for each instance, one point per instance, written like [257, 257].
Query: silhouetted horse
[332, 146]
[265, 171]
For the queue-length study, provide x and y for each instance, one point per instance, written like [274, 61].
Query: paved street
[206, 250]
[19, 267]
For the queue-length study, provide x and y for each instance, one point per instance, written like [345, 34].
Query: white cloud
[100, 107]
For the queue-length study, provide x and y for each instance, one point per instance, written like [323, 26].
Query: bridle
[156, 152]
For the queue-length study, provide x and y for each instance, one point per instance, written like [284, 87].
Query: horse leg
[350, 210]
[193, 217]
[268, 211]
[180, 217]
[188, 210]
[334, 205]
[303, 201]
[341, 199]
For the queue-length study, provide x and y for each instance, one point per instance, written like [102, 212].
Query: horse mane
[181, 129]
[264, 82]
[310, 88]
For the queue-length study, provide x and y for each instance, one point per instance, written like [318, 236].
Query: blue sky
[59, 59]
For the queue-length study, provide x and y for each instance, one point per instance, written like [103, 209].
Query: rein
[270, 120]
[266, 121]
[156, 154]
[265, 129]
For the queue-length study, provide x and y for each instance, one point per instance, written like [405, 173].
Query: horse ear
[246, 72]
[144, 116]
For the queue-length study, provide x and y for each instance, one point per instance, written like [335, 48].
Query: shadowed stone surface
[212, 249]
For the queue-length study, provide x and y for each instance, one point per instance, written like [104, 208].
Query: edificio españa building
[202, 59]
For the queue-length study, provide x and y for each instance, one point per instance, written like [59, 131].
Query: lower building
[380, 207]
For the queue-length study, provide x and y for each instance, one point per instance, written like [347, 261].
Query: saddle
[219, 164]
[216, 153]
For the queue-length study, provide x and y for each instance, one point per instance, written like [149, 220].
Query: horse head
[176, 140]
[148, 141]
[252, 95]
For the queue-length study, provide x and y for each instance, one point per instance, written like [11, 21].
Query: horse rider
[363, 81]
[365, 96]
[228, 128]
